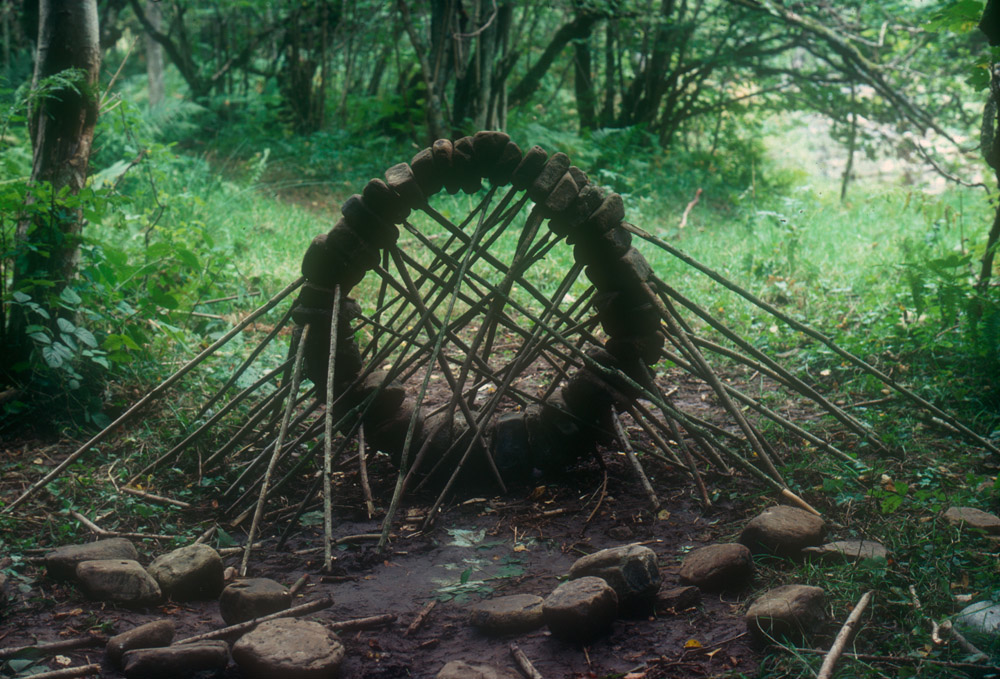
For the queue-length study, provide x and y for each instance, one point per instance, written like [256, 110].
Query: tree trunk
[583, 82]
[62, 130]
[852, 139]
[154, 56]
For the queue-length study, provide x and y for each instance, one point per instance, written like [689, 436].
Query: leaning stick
[844, 637]
[44, 649]
[82, 671]
[421, 617]
[97, 530]
[240, 628]
[814, 334]
[906, 660]
[362, 623]
[328, 430]
[366, 489]
[152, 395]
[637, 466]
[156, 498]
[522, 661]
[296, 374]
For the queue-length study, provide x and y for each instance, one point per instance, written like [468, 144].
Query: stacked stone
[589, 218]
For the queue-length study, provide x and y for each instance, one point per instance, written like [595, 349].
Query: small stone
[383, 202]
[568, 224]
[510, 447]
[386, 402]
[848, 551]
[974, 518]
[550, 174]
[390, 435]
[252, 598]
[425, 171]
[621, 533]
[718, 567]
[463, 165]
[678, 598]
[783, 530]
[529, 167]
[792, 611]
[513, 614]
[609, 214]
[400, 179]
[459, 669]
[580, 610]
[488, 145]
[197, 660]
[291, 649]
[510, 158]
[579, 176]
[62, 562]
[365, 224]
[596, 249]
[564, 193]
[192, 572]
[631, 570]
[122, 581]
[151, 635]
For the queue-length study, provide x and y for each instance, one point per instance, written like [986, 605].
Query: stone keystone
[783, 530]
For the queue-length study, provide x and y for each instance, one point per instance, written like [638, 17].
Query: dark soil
[480, 547]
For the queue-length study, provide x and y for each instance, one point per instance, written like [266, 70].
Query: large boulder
[187, 661]
[581, 610]
[154, 634]
[974, 518]
[631, 570]
[192, 572]
[783, 530]
[512, 614]
[253, 598]
[61, 563]
[718, 567]
[120, 581]
[291, 649]
[794, 612]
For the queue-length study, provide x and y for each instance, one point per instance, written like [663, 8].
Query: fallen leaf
[63, 660]
[663, 515]
[520, 548]
[692, 643]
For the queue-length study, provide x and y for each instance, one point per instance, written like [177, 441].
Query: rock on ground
[151, 635]
[783, 530]
[291, 649]
[976, 518]
[848, 551]
[61, 563]
[252, 598]
[459, 669]
[631, 570]
[192, 572]
[790, 611]
[508, 614]
[678, 598]
[202, 659]
[718, 567]
[980, 622]
[121, 581]
[580, 610]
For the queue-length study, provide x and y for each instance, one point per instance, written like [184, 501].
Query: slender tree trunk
[610, 72]
[154, 56]
[62, 130]
[583, 82]
[990, 147]
[852, 140]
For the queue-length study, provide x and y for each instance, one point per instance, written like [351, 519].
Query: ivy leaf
[86, 337]
[69, 296]
[65, 325]
[53, 358]
[21, 297]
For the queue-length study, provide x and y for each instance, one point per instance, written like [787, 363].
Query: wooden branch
[523, 663]
[152, 395]
[97, 530]
[290, 404]
[363, 623]
[243, 627]
[687, 210]
[903, 660]
[844, 637]
[52, 647]
[156, 498]
[636, 465]
[421, 617]
[328, 432]
[366, 489]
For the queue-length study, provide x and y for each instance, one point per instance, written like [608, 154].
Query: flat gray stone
[198, 660]
[631, 570]
[61, 563]
[975, 518]
[192, 572]
[508, 614]
[291, 649]
[718, 567]
[151, 635]
[795, 612]
[783, 530]
[581, 610]
[459, 669]
[848, 551]
[252, 598]
[980, 623]
[121, 581]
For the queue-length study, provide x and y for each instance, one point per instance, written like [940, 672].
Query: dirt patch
[481, 546]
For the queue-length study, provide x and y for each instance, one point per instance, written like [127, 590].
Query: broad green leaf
[86, 337]
[65, 325]
[69, 296]
[53, 358]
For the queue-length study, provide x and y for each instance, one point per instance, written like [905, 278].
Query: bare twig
[523, 663]
[636, 465]
[82, 671]
[421, 617]
[156, 498]
[366, 489]
[52, 647]
[328, 430]
[241, 628]
[363, 623]
[844, 637]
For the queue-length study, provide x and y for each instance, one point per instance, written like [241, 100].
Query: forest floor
[480, 546]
